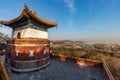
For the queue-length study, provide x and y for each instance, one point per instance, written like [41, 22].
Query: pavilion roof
[26, 11]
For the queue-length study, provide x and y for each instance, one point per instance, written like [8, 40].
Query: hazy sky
[86, 20]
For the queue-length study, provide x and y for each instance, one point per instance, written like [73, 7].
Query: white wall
[31, 33]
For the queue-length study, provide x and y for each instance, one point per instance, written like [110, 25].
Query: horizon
[84, 20]
[91, 42]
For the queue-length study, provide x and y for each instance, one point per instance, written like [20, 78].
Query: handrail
[3, 74]
[110, 76]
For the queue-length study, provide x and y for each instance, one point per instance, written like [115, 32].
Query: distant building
[29, 48]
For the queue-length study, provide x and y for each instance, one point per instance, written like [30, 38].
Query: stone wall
[22, 53]
[86, 62]
[79, 61]
[31, 33]
[27, 66]
[27, 54]
[27, 49]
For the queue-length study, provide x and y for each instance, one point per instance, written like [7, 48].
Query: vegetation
[3, 39]
[104, 56]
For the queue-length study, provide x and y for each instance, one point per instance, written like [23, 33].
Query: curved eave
[47, 22]
[27, 11]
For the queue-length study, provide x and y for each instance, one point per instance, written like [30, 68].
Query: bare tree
[3, 37]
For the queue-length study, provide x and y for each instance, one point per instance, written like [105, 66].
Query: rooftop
[26, 11]
[61, 70]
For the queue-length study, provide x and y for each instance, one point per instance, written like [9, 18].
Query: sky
[84, 20]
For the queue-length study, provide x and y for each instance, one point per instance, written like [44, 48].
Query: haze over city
[85, 20]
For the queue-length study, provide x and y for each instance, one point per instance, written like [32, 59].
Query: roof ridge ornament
[25, 7]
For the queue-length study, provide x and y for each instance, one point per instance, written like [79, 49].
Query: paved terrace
[60, 70]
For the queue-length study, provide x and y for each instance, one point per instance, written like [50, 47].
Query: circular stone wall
[27, 54]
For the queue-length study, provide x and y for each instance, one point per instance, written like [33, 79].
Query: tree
[3, 39]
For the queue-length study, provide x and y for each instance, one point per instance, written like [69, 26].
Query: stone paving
[60, 70]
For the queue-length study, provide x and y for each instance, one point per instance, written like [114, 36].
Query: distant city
[112, 49]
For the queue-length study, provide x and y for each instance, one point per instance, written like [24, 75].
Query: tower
[29, 48]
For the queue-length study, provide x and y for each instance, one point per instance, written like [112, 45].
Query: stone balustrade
[3, 73]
